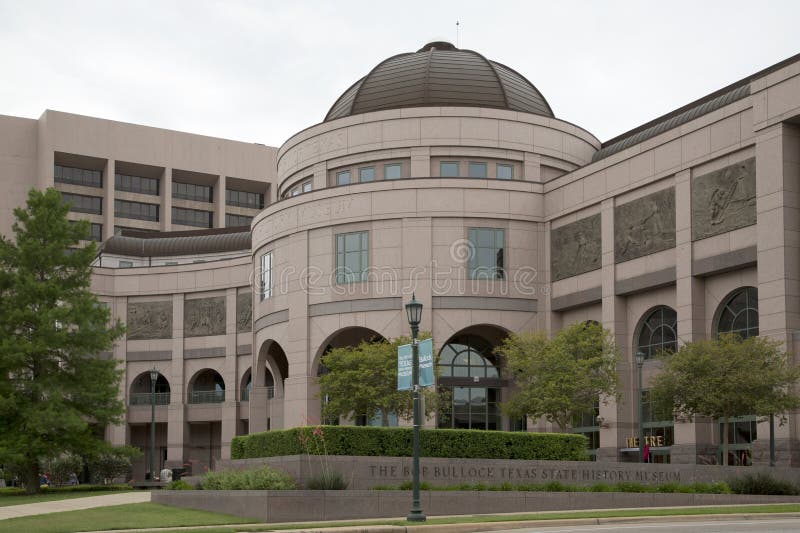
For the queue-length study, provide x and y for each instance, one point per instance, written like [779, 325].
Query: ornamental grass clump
[313, 442]
[264, 478]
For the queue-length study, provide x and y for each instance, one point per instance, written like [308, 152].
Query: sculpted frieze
[644, 226]
[149, 320]
[244, 312]
[575, 248]
[204, 316]
[724, 200]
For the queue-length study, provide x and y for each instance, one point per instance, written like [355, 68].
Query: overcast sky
[260, 71]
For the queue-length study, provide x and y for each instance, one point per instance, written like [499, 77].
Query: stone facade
[575, 248]
[724, 200]
[204, 316]
[149, 320]
[644, 226]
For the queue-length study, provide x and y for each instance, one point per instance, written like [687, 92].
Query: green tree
[54, 389]
[560, 377]
[727, 377]
[362, 380]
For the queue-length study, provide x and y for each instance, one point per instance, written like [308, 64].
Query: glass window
[657, 427]
[266, 276]
[125, 264]
[658, 332]
[477, 169]
[392, 171]
[352, 257]
[251, 200]
[95, 231]
[343, 177]
[83, 204]
[587, 423]
[191, 191]
[233, 221]
[137, 184]
[505, 172]
[739, 313]
[191, 217]
[135, 210]
[486, 253]
[448, 169]
[307, 186]
[295, 190]
[78, 176]
[366, 174]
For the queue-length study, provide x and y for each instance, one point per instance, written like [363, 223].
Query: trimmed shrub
[327, 481]
[178, 484]
[396, 442]
[762, 483]
[263, 478]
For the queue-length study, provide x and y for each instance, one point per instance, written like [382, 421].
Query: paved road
[74, 504]
[771, 525]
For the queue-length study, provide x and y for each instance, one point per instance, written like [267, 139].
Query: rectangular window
[266, 276]
[233, 221]
[295, 190]
[83, 204]
[448, 169]
[138, 184]
[191, 191]
[95, 231]
[392, 171]
[487, 248]
[477, 169]
[343, 177]
[658, 429]
[135, 210]
[191, 217]
[251, 200]
[366, 174]
[352, 257]
[307, 186]
[587, 423]
[78, 176]
[125, 264]
[505, 172]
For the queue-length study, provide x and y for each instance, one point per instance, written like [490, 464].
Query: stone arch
[272, 366]
[206, 386]
[245, 385]
[140, 389]
[738, 313]
[657, 330]
[349, 336]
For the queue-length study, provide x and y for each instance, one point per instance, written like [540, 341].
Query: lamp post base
[416, 515]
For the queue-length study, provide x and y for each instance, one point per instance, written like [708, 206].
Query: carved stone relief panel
[204, 316]
[244, 312]
[575, 248]
[724, 200]
[644, 226]
[149, 320]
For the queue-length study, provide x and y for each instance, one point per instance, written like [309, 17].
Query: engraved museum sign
[724, 200]
[575, 248]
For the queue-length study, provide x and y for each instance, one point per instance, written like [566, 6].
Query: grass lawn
[130, 516]
[142, 515]
[8, 499]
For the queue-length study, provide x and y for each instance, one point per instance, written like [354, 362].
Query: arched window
[466, 356]
[658, 332]
[739, 313]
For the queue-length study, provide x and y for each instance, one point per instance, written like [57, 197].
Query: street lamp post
[639, 363]
[414, 312]
[153, 379]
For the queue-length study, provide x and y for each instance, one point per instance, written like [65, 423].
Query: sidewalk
[73, 504]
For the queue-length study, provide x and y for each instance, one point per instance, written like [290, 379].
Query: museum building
[237, 266]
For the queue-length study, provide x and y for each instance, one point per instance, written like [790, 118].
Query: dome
[439, 74]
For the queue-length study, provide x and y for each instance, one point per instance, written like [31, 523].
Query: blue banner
[405, 360]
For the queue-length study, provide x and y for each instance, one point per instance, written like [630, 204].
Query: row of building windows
[80, 203]
[192, 217]
[136, 210]
[252, 200]
[391, 171]
[137, 184]
[300, 188]
[475, 169]
[78, 176]
[192, 191]
[232, 221]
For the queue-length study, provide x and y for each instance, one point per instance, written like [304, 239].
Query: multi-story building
[447, 174]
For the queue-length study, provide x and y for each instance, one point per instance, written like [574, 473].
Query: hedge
[396, 442]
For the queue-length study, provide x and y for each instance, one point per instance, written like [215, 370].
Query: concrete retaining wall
[367, 472]
[307, 505]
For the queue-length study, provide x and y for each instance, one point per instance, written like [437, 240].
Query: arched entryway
[267, 392]
[140, 398]
[471, 372]
[206, 386]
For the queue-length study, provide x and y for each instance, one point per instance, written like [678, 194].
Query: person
[166, 475]
[73, 479]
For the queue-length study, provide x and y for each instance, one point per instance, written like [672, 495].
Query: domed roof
[439, 74]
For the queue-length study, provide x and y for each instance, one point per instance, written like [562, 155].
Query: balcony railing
[144, 398]
[246, 394]
[207, 396]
